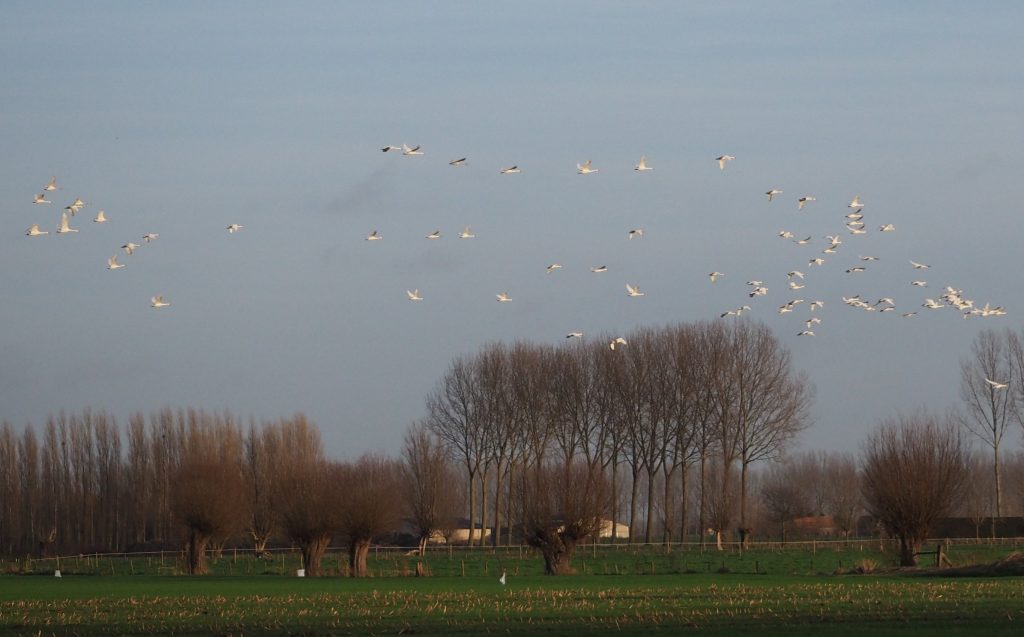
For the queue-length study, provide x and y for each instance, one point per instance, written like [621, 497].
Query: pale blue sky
[180, 118]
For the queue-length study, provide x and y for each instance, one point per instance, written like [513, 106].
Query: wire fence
[763, 557]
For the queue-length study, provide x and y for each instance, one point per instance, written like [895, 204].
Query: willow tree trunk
[312, 553]
[358, 549]
[909, 546]
[195, 552]
[558, 558]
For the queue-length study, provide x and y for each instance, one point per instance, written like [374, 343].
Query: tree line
[534, 443]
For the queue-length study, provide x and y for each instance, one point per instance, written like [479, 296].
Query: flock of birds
[853, 222]
[64, 227]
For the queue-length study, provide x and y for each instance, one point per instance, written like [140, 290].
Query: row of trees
[712, 396]
[540, 444]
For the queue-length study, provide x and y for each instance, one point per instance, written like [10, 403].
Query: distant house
[814, 526]
[621, 530]
[460, 534]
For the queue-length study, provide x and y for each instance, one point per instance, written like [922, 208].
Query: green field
[783, 599]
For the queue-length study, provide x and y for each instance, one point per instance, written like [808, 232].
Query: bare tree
[30, 482]
[988, 408]
[768, 403]
[559, 506]
[209, 488]
[680, 447]
[787, 492]
[428, 483]
[722, 494]
[10, 487]
[303, 493]
[369, 504]
[454, 415]
[259, 477]
[843, 499]
[913, 473]
[977, 502]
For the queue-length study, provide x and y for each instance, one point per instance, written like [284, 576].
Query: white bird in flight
[503, 297]
[802, 201]
[920, 284]
[996, 384]
[599, 268]
[511, 170]
[574, 335]
[919, 266]
[158, 301]
[41, 199]
[642, 165]
[235, 227]
[436, 234]
[636, 232]
[585, 169]
[414, 295]
[785, 234]
[735, 312]
[51, 186]
[887, 228]
[101, 217]
[64, 228]
[816, 261]
[389, 147]
[466, 233]
[458, 162]
[130, 247]
[617, 341]
[633, 290]
[855, 203]
[112, 263]
[34, 231]
[723, 160]
[411, 151]
[551, 268]
[149, 237]
[374, 236]
[714, 275]
[771, 193]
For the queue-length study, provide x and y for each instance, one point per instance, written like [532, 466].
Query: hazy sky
[180, 118]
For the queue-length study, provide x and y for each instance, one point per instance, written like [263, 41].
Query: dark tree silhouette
[914, 471]
[558, 507]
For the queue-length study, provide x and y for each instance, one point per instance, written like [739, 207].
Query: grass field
[783, 599]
